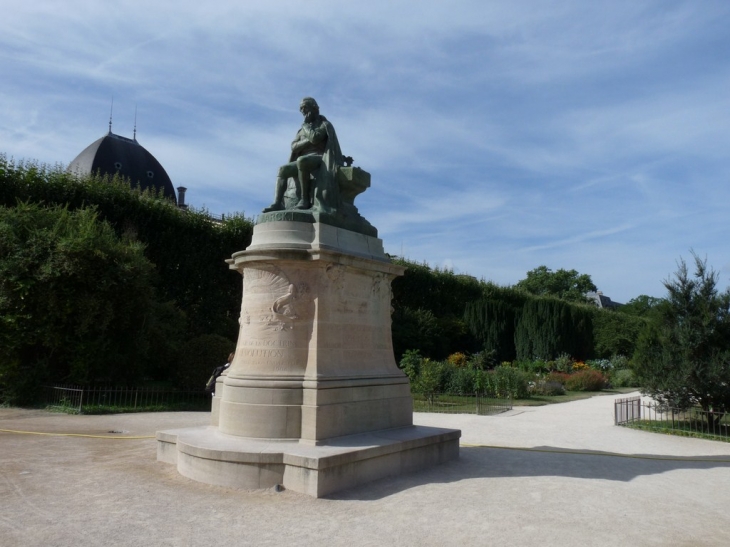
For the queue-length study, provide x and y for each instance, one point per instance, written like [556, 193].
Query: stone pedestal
[313, 399]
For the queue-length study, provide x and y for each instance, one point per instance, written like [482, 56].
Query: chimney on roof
[181, 197]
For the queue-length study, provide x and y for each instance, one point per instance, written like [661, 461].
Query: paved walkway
[90, 491]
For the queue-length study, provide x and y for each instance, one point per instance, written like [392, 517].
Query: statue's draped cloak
[326, 194]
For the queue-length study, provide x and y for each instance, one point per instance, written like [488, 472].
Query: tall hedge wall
[187, 249]
[544, 328]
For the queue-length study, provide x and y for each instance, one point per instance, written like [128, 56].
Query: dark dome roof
[114, 154]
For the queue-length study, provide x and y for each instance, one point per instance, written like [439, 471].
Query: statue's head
[309, 108]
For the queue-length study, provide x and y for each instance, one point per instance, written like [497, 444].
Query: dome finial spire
[111, 112]
[134, 135]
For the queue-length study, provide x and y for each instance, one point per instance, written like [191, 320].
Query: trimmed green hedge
[92, 317]
[187, 249]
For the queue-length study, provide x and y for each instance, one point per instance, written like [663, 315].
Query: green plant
[457, 359]
[602, 365]
[619, 362]
[548, 388]
[564, 363]
[684, 358]
[429, 381]
[461, 381]
[559, 377]
[482, 360]
[623, 378]
[537, 366]
[410, 364]
[506, 381]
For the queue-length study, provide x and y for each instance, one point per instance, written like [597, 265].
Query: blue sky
[500, 135]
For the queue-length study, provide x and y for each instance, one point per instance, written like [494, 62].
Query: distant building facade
[601, 300]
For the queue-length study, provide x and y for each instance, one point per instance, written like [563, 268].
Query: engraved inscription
[259, 342]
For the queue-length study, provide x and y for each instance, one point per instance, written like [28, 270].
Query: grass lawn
[683, 429]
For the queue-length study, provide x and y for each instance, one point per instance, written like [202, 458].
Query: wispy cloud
[500, 135]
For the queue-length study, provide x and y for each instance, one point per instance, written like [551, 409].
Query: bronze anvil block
[352, 182]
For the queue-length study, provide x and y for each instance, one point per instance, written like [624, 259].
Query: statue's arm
[308, 135]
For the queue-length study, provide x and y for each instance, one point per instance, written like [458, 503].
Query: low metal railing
[626, 410]
[653, 416]
[442, 403]
[123, 399]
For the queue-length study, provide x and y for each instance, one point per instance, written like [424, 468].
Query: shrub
[538, 366]
[550, 388]
[619, 362]
[430, 380]
[483, 360]
[623, 378]
[460, 381]
[508, 381]
[410, 363]
[586, 380]
[559, 377]
[602, 365]
[579, 365]
[564, 363]
[457, 359]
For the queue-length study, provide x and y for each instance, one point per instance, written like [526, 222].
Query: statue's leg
[286, 171]
[305, 166]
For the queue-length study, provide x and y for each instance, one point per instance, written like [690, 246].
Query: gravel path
[89, 491]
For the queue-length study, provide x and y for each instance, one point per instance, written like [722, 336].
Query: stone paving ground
[89, 491]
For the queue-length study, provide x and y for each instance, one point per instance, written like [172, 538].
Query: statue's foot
[303, 204]
[278, 206]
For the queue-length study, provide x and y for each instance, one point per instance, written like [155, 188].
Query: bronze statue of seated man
[314, 147]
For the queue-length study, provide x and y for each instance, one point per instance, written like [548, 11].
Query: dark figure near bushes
[210, 386]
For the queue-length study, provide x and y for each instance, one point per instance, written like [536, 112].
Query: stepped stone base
[313, 399]
[205, 454]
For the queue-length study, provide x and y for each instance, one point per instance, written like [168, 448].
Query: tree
[616, 333]
[683, 359]
[492, 322]
[548, 327]
[77, 303]
[564, 284]
[642, 306]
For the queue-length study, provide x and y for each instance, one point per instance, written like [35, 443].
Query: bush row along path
[85, 491]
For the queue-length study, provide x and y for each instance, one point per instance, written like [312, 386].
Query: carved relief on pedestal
[336, 275]
[290, 307]
[381, 283]
[270, 299]
[276, 316]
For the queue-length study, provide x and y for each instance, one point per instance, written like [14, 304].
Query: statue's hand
[297, 145]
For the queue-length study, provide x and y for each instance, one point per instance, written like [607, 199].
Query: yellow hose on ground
[73, 435]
